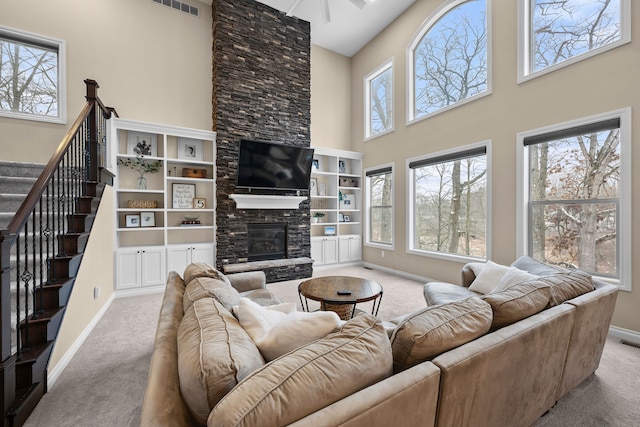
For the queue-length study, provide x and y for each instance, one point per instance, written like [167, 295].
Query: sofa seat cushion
[276, 332]
[566, 286]
[517, 302]
[309, 378]
[437, 293]
[202, 269]
[214, 354]
[431, 331]
[207, 287]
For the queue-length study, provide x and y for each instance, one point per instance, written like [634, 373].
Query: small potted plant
[142, 166]
[317, 216]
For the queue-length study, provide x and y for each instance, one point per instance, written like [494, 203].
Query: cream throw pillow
[276, 332]
[489, 278]
[513, 277]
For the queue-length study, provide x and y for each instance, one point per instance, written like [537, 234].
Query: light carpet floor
[104, 383]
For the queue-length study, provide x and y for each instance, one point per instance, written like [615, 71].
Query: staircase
[46, 214]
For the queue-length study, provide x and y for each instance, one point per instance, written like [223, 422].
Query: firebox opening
[266, 241]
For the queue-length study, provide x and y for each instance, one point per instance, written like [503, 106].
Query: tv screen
[274, 166]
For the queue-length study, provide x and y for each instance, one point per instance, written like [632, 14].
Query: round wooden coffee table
[340, 294]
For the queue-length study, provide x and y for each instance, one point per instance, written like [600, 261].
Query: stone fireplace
[262, 92]
[266, 241]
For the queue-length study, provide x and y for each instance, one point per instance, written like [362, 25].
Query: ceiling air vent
[183, 7]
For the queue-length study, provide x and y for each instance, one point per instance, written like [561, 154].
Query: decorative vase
[142, 183]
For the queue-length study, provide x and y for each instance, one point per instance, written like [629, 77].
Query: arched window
[449, 58]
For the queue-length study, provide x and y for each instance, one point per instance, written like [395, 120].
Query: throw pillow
[518, 302]
[431, 331]
[489, 277]
[206, 287]
[309, 378]
[202, 269]
[276, 332]
[214, 354]
[513, 277]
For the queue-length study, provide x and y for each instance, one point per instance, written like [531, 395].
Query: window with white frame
[556, 33]
[379, 101]
[379, 207]
[449, 59]
[31, 77]
[575, 180]
[449, 202]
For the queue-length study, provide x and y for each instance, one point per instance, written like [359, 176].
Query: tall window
[576, 181]
[449, 199]
[379, 187]
[449, 59]
[561, 32]
[31, 77]
[379, 101]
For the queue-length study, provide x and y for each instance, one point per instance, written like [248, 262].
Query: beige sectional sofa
[468, 360]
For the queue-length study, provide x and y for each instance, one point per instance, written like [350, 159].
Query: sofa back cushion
[202, 269]
[431, 331]
[309, 378]
[566, 286]
[214, 354]
[207, 287]
[518, 302]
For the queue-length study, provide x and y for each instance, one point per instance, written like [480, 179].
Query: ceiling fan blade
[294, 7]
[326, 17]
[360, 3]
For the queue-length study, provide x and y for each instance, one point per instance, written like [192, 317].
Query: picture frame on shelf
[329, 230]
[315, 165]
[347, 218]
[340, 217]
[183, 195]
[322, 189]
[142, 144]
[342, 166]
[147, 219]
[348, 202]
[199, 203]
[190, 149]
[313, 187]
[132, 220]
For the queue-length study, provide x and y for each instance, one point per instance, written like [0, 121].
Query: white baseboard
[125, 293]
[398, 272]
[53, 375]
[625, 334]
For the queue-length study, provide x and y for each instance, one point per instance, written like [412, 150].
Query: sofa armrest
[248, 281]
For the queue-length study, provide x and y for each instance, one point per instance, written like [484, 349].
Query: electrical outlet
[96, 292]
[382, 254]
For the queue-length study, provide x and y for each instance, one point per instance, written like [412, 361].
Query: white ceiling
[350, 28]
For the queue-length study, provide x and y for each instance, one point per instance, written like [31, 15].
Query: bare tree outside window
[381, 102]
[563, 29]
[574, 196]
[28, 78]
[381, 208]
[451, 59]
[450, 206]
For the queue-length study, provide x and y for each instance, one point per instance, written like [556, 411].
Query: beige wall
[152, 63]
[96, 270]
[600, 84]
[330, 99]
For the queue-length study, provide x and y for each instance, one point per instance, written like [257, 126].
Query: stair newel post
[8, 360]
[92, 120]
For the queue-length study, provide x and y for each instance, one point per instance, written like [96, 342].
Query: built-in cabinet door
[180, 256]
[350, 248]
[129, 269]
[324, 250]
[153, 266]
[142, 266]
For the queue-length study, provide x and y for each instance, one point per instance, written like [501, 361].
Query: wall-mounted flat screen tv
[273, 166]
